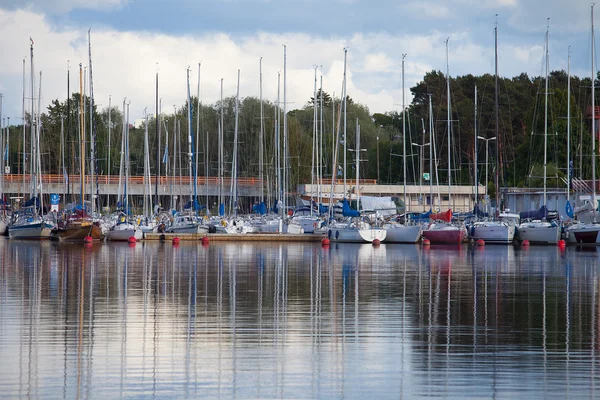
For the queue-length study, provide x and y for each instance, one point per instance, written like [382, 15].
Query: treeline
[520, 139]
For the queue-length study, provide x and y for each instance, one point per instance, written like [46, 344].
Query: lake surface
[247, 320]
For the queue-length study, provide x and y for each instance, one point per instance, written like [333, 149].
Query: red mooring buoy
[376, 242]
[132, 239]
[426, 242]
[88, 239]
[175, 240]
[481, 242]
[325, 242]
[525, 243]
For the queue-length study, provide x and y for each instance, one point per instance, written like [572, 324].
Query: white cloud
[377, 62]
[124, 63]
[429, 9]
[62, 6]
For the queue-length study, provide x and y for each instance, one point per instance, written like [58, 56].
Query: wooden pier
[235, 237]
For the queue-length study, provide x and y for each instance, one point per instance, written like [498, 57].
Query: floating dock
[235, 237]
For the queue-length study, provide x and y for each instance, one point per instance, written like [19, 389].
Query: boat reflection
[296, 320]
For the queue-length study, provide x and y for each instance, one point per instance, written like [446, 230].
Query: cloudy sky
[132, 39]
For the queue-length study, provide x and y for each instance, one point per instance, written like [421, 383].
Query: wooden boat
[77, 227]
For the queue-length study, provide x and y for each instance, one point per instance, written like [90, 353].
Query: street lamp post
[487, 148]
[420, 146]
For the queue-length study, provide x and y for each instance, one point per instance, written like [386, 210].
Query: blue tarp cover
[347, 211]
[535, 214]
[196, 206]
[260, 208]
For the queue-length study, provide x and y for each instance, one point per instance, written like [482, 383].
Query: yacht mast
[406, 208]
[449, 127]
[32, 182]
[221, 129]
[546, 114]
[476, 159]
[261, 140]
[497, 119]
[285, 131]
[593, 121]
[234, 199]
[82, 140]
[345, 109]
[569, 126]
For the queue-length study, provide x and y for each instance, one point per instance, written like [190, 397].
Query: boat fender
[337, 234]
[472, 231]
[329, 234]
[212, 229]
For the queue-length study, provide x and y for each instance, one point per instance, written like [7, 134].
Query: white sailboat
[4, 220]
[28, 223]
[186, 223]
[501, 230]
[536, 227]
[442, 230]
[396, 232]
[279, 222]
[588, 230]
[124, 228]
[306, 217]
[356, 228]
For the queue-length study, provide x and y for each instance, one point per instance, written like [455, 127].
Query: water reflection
[296, 320]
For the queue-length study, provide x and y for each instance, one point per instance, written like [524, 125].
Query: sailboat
[396, 232]
[588, 232]
[4, 218]
[78, 225]
[442, 230]
[124, 228]
[187, 221]
[537, 226]
[355, 228]
[306, 216]
[502, 230]
[28, 222]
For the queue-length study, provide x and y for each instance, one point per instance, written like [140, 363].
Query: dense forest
[517, 151]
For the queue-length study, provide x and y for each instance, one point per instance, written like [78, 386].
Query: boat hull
[123, 235]
[294, 228]
[353, 235]
[78, 232]
[3, 227]
[584, 234]
[37, 231]
[192, 229]
[539, 234]
[494, 233]
[403, 234]
[454, 235]
[308, 224]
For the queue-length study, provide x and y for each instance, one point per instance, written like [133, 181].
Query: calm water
[297, 321]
